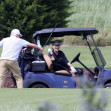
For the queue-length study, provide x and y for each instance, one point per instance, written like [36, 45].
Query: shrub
[100, 41]
[73, 40]
[103, 41]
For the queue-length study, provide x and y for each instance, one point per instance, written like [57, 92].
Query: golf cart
[37, 73]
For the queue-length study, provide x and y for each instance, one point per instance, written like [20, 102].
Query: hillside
[92, 13]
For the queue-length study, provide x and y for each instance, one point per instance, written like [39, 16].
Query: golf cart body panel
[62, 81]
[44, 78]
[49, 79]
[106, 73]
[104, 77]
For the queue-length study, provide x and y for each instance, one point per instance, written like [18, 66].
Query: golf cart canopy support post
[103, 63]
[36, 50]
[96, 53]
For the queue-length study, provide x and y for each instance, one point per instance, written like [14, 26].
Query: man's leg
[3, 72]
[14, 67]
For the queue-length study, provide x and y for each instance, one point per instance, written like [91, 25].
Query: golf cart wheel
[108, 85]
[39, 86]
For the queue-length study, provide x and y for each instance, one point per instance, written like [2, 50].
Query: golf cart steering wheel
[76, 58]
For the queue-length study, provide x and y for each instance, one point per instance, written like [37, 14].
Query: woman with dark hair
[59, 59]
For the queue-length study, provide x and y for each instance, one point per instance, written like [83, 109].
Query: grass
[86, 13]
[85, 57]
[65, 99]
[91, 13]
[31, 99]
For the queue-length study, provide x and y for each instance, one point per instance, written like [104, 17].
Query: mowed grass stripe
[65, 99]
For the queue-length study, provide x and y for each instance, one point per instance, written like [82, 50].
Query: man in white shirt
[11, 47]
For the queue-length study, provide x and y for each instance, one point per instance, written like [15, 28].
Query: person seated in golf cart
[59, 60]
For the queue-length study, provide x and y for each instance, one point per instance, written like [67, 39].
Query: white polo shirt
[11, 47]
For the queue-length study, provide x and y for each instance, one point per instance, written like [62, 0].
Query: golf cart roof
[59, 32]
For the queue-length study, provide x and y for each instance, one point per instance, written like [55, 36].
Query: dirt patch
[9, 82]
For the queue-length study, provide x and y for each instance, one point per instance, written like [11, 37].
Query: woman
[59, 59]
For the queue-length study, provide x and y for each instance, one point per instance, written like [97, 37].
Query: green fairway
[65, 99]
[31, 99]
[85, 57]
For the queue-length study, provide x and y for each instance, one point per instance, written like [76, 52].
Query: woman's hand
[73, 70]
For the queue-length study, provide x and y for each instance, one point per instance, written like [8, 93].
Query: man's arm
[35, 46]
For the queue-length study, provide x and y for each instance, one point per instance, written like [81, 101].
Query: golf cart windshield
[83, 32]
[96, 53]
[98, 57]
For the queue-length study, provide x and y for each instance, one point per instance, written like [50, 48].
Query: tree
[21, 14]
[57, 12]
[31, 15]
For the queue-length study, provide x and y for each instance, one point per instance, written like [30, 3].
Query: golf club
[50, 35]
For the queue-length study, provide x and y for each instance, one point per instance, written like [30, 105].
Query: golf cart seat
[50, 66]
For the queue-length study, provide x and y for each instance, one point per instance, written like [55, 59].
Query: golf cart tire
[39, 85]
[108, 85]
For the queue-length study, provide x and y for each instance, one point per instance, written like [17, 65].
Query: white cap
[15, 32]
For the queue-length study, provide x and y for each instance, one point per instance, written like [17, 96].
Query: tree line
[31, 15]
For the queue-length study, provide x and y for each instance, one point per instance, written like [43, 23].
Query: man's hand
[35, 46]
[41, 50]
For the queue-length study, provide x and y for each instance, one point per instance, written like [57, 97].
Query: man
[11, 47]
[58, 57]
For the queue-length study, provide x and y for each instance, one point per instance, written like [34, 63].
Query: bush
[75, 40]
[103, 41]
[91, 13]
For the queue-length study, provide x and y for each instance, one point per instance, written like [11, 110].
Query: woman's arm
[69, 64]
